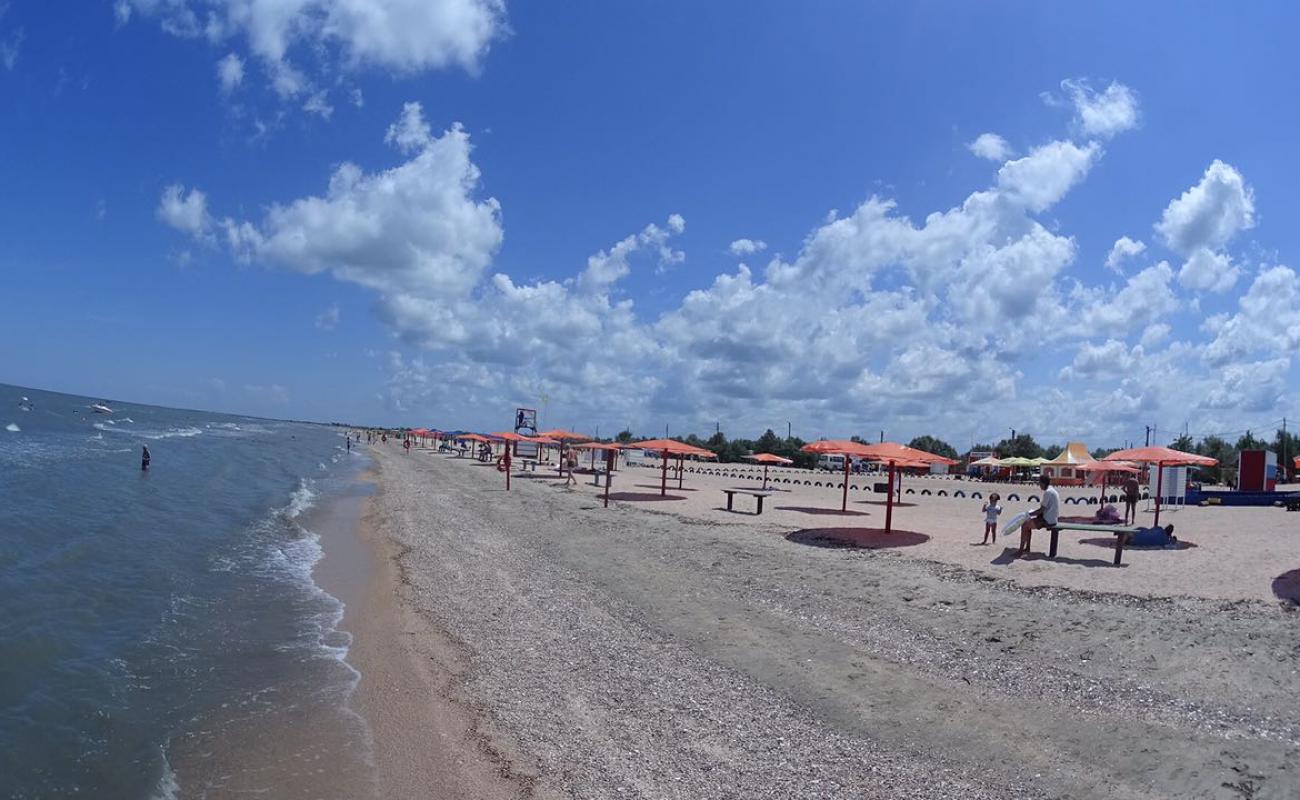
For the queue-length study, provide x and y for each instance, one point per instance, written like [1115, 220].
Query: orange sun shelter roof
[902, 454]
[563, 435]
[768, 458]
[843, 447]
[672, 446]
[1161, 455]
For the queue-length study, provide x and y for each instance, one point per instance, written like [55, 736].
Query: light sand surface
[671, 649]
[1237, 554]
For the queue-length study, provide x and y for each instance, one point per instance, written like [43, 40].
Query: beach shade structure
[1018, 462]
[667, 447]
[1161, 457]
[473, 437]
[987, 461]
[562, 436]
[597, 446]
[767, 460]
[839, 447]
[897, 455]
[1106, 468]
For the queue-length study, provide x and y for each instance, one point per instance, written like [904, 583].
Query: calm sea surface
[160, 632]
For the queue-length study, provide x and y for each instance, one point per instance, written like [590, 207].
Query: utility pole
[1148, 427]
[882, 437]
[788, 434]
[1284, 461]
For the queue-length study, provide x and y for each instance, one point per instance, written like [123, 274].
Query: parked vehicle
[835, 463]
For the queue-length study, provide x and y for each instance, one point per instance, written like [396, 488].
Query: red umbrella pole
[507, 463]
[845, 505]
[663, 487]
[1160, 485]
[681, 469]
[1103, 488]
[765, 477]
[889, 504]
[609, 473]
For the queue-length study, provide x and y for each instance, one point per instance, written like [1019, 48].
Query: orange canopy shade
[1106, 466]
[837, 447]
[596, 446]
[672, 446]
[900, 453]
[563, 435]
[473, 437]
[768, 458]
[1161, 455]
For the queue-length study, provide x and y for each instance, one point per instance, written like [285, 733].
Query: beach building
[1063, 470]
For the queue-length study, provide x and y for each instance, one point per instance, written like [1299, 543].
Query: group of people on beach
[1048, 513]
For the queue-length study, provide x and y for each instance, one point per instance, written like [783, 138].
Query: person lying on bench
[1047, 515]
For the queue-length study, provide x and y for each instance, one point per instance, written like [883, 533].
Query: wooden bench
[1121, 533]
[528, 464]
[758, 495]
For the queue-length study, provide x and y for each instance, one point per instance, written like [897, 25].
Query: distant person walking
[407, 444]
[991, 511]
[1131, 489]
[348, 439]
[571, 461]
[145, 458]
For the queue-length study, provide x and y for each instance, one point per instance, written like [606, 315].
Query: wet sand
[424, 739]
[670, 649]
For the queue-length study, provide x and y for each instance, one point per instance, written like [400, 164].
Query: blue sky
[556, 217]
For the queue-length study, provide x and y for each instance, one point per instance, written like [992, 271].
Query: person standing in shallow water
[145, 458]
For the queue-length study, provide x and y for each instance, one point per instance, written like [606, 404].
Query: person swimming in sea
[145, 458]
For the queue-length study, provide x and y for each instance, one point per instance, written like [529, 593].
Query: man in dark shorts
[1047, 514]
[1131, 488]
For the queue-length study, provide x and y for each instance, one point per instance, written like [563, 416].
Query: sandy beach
[536, 644]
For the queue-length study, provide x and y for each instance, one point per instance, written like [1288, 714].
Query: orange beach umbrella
[1161, 457]
[767, 459]
[897, 455]
[671, 446]
[1105, 468]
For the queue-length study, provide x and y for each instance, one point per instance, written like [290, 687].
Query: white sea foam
[169, 788]
[12, 428]
[302, 499]
[148, 434]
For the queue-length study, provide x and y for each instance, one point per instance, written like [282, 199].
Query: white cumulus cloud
[404, 36]
[991, 146]
[1102, 114]
[952, 322]
[230, 72]
[1210, 213]
[1123, 249]
[747, 247]
[186, 212]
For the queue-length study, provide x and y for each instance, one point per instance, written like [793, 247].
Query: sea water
[160, 631]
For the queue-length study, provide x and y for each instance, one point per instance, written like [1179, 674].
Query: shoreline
[425, 736]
